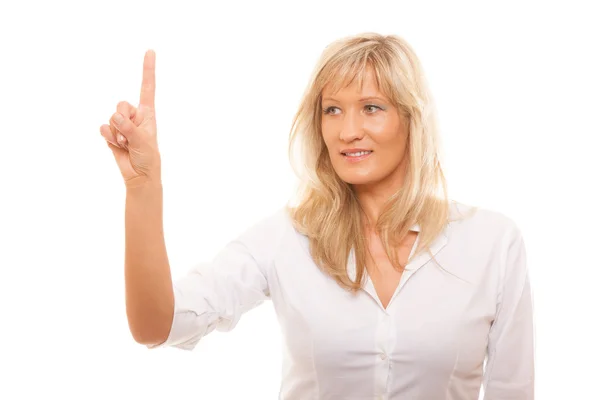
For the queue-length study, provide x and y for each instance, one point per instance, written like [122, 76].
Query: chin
[358, 179]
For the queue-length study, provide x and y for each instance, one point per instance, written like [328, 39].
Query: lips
[354, 151]
[356, 157]
[357, 153]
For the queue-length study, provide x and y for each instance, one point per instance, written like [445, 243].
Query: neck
[373, 197]
[372, 204]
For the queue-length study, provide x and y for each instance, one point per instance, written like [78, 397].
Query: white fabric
[431, 341]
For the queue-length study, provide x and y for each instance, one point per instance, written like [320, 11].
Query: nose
[351, 127]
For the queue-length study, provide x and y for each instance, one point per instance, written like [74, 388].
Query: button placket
[383, 349]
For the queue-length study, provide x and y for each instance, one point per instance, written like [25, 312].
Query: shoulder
[468, 221]
[481, 242]
[266, 233]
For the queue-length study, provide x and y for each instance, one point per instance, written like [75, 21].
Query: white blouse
[431, 341]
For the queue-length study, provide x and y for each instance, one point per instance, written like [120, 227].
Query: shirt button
[383, 356]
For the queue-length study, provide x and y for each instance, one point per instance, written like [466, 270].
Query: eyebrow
[361, 99]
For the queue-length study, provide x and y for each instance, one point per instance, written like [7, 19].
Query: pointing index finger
[148, 80]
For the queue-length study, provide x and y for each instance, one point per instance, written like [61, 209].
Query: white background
[516, 87]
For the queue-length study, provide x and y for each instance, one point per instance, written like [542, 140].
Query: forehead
[362, 82]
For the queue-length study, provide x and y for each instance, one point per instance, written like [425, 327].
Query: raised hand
[131, 132]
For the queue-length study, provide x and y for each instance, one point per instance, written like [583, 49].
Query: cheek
[328, 138]
[393, 151]
[399, 144]
[391, 141]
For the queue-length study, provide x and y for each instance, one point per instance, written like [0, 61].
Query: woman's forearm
[148, 285]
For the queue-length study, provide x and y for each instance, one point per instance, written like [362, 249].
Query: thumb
[122, 158]
[127, 128]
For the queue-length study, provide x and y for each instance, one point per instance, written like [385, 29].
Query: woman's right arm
[132, 138]
[212, 296]
[148, 284]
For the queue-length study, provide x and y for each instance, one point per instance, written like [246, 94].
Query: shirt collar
[416, 228]
[418, 260]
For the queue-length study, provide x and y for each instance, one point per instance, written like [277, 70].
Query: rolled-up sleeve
[215, 295]
[509, 370]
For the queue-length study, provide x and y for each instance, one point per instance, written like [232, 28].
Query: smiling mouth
[358, 153]
[357, 157]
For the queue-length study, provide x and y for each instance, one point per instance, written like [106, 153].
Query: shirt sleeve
[509, 370]
[215, 295]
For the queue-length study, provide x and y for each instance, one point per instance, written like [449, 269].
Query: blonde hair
[327, 211]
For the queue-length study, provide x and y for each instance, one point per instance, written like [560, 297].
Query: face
[365, 135]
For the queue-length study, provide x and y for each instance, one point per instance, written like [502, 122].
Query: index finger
[148, 80]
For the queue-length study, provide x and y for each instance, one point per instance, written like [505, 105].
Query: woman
[383, 287]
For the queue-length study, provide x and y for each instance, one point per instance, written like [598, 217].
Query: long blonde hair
[327, 210]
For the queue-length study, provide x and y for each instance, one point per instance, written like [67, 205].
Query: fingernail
[118, 118]
[121, 138]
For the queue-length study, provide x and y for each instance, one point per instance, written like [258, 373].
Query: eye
[373, 106]
[328, 110]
